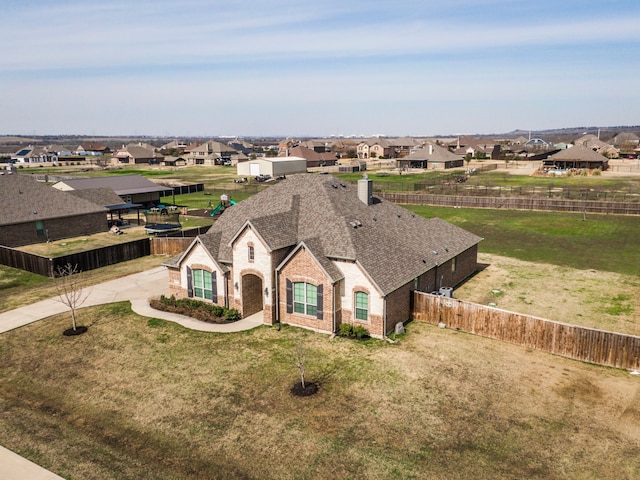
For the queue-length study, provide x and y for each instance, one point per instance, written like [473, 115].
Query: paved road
[136, 288]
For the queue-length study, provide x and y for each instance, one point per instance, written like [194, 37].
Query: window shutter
[189, 282]
[214, 287]
[319, 311]
[289, 297]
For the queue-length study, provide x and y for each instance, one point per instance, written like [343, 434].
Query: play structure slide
[220, 208]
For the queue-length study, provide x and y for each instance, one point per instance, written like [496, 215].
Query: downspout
[334, 308]
[384, 318]
[276, 298]
[226, 290]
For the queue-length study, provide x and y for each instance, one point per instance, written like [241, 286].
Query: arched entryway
[252, 299]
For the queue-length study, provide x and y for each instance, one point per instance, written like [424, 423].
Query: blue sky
[301, 68]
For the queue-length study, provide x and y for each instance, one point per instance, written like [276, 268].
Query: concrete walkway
[137, 288]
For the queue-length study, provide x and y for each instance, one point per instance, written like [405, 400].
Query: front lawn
[142, 398]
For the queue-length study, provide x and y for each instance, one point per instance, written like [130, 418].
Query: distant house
[135, 153]
[272, 166]
[315, 252]
[213, 153]
[591, 141]
[35, 213]
[577, 157]
[313, 158]
[625, 138]
[33, 154]
[431, 156]
[472, 146]
[130, 188]
[92, 148]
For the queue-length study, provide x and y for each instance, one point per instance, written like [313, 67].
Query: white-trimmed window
[251, 253]
[361, 302]
[202, 284]
[305, 298]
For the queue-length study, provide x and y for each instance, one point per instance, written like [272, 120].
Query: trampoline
[163, 228]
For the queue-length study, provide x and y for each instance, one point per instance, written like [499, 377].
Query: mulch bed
[309, 389]
[197, 314]
[70, 332]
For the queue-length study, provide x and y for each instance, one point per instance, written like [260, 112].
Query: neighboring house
[138, 153]
[174, 145]
[313, 158]
[272, 166]
[33, 154]
[130, 188]
[318, 145]
[431, 156]
[34, 212]
[472, 146]
[625, 138]
[213, 153]
[591, 141]
[107, 198]
[579, 157]
[385, 148]
[92, 148]
[315, 252]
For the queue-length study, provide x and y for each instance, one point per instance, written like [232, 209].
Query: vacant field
[609, 243]
[141, 398]
[596, 299]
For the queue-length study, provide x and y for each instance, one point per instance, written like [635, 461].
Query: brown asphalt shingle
[392, 244]
[23, 199]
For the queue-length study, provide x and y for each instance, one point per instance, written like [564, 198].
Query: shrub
[346, 329]
[204, 311]
[360, 332]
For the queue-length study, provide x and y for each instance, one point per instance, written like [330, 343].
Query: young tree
[299, 361]
[70, 290]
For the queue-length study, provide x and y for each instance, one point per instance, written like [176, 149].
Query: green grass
[601, 242]
[141, 398]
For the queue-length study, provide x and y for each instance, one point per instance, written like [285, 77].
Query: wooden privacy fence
[514, 203]
[169, 245]
[28, 262]
[99, 257]
[571, 341]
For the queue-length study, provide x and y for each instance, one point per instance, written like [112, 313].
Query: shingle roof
[438, 154]
[104, 197]
[27, 200]
[122, 184]
[391, 244]
[579, 152]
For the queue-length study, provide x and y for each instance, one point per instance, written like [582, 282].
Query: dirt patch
[590, 298]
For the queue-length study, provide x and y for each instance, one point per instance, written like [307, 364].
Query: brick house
[35, 213]
[315, 252]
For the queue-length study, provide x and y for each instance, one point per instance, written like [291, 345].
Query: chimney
[430, 149]
[365, 190]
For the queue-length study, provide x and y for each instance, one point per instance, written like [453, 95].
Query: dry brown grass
[19, 295]
[142, 398]
[595, 299]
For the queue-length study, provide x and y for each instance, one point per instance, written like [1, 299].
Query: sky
[316, 68]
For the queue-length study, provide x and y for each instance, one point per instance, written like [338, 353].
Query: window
[39, 228]
[453, 264]
[305, 298]
[202, 285]
[252, 253]
[362, 306]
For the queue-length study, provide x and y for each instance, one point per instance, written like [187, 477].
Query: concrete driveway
[137, 288]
